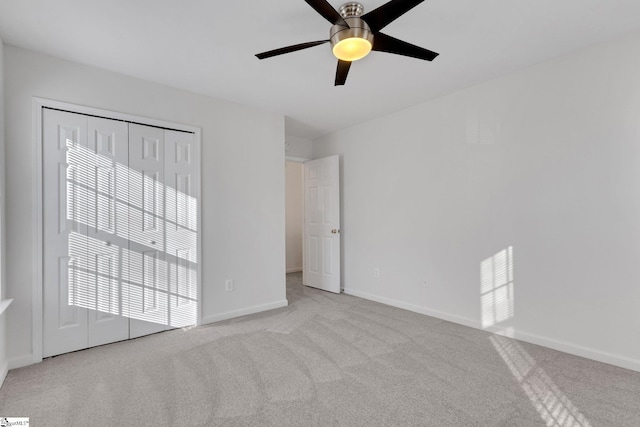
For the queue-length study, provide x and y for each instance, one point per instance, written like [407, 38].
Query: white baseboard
[565, 347]
[244, 311]
[415, 308]
[578, 350]
[21, 361]
[294, 270]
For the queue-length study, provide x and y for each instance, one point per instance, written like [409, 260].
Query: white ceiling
[208, 47]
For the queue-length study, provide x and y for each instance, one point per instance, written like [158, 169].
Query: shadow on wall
[497, 300]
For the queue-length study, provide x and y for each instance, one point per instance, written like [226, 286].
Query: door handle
[335, 231]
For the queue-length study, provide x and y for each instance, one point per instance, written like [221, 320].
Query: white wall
[3, 292]
[242, 183]
[294, 212]
[298, 148]
[546, 161]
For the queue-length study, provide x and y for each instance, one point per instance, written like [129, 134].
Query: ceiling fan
[353, 35]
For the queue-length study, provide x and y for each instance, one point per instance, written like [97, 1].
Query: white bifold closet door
[163, 229]
[148, 288]
[120, 231]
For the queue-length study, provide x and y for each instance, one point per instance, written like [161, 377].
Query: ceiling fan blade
[388, 12]
[289, 49]
[385, 43]
[327, 11]
[341, 72]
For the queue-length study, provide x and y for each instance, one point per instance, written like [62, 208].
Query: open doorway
[294, 220]
[294, 215]
[297, 150]
[312, 217]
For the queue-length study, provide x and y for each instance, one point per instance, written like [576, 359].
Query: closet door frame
[38, 104]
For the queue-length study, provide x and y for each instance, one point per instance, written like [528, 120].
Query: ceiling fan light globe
[352, 48]
[353, 42]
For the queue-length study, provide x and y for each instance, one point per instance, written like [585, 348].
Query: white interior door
[148, 284]
[322, 223]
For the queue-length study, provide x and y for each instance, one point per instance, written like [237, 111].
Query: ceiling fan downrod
[351, 10]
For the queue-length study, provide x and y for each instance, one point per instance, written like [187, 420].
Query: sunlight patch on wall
[496, 288]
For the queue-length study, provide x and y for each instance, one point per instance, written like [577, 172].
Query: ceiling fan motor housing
[351, 13]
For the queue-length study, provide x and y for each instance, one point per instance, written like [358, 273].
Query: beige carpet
[326, 360]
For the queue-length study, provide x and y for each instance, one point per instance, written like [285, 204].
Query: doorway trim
[37, 304]
[296, 159]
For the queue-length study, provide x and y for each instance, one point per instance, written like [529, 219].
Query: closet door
[181, 227]
[108, 230]
[148, 282]
[65, 232]
[120, 230]
[85, 233]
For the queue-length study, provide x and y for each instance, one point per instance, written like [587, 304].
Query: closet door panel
[65, 227]
[108, 230]
[148, 283]
[181, 227]
[85, 231]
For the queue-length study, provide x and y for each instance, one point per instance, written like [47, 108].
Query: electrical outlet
[229, 285]
[376, 273]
